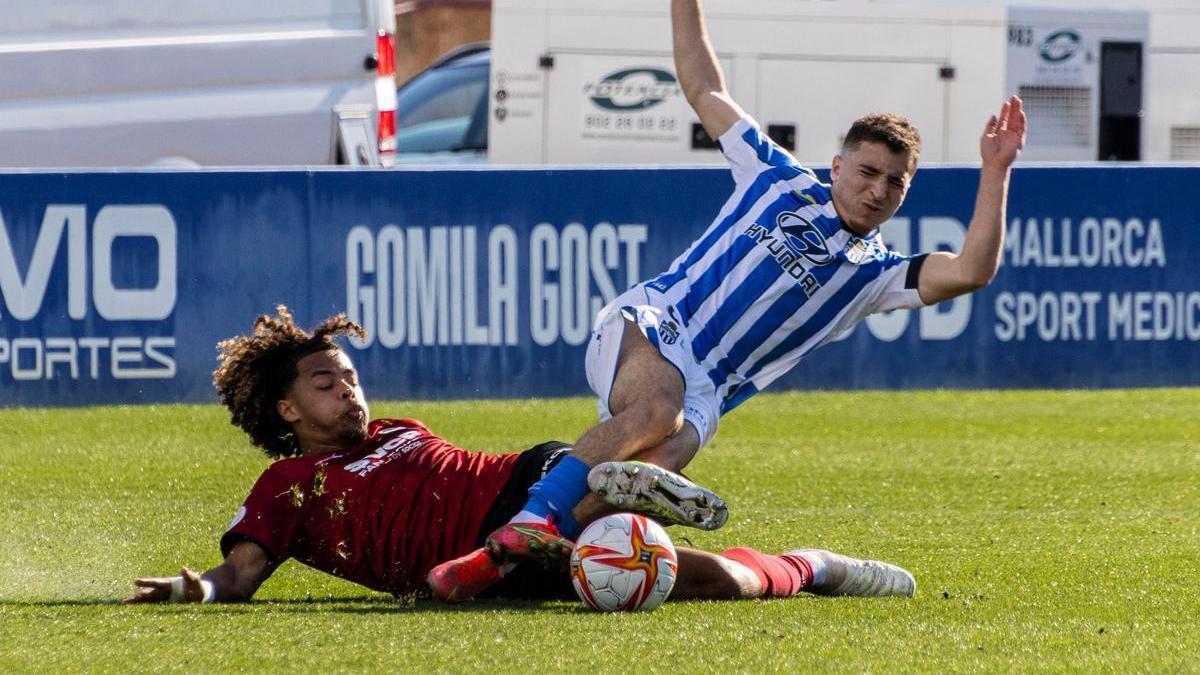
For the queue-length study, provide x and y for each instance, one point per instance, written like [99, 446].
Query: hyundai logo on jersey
[804, 239]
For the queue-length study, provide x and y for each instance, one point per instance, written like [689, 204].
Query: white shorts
[656, 318]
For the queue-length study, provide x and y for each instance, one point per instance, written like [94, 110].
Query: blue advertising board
[116, 286]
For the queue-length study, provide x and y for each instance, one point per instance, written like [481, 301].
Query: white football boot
[656, 492]
[844, 575]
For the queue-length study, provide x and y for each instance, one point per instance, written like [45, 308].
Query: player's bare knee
[660, 418]
[669, 454]
[739, 581]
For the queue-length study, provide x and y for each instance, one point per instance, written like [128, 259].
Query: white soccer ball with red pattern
[623, 562]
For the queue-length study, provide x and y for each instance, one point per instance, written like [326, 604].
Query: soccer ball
[623, 562]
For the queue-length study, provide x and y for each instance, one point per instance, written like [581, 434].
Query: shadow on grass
[347, 604]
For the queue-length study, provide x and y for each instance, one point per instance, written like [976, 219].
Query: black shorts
[529, 580]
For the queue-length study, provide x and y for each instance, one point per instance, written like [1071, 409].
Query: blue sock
[558, 493]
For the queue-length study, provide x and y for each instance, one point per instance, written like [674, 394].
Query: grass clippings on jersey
[1047, 531]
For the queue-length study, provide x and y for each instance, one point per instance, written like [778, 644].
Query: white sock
[818, 565]
[528, 517]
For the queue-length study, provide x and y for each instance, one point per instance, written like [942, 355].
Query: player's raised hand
[158, 589]
[1004, 135]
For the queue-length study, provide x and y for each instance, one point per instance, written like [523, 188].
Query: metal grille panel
[1185, 143]
[1058, 116]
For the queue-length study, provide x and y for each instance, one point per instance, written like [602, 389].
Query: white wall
[813, 63]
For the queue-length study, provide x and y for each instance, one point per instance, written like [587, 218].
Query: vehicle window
[434, 111]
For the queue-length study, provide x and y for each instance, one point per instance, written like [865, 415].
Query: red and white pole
[385, 97]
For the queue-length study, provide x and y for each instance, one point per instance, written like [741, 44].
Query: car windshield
[443, 110]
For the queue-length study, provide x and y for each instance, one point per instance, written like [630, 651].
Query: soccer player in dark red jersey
[380, 502]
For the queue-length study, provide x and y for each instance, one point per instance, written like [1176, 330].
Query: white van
[581, 82]
[191, 82]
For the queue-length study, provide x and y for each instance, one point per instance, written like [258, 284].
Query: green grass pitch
[1048, 531]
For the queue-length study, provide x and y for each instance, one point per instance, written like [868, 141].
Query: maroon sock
[781, 576]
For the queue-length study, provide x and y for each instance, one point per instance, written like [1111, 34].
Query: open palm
[1004, 135]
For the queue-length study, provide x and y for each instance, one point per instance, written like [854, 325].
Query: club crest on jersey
[668, 332]
[860, 250]
[803, 238]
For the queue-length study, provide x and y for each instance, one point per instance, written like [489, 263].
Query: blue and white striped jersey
[776, 275]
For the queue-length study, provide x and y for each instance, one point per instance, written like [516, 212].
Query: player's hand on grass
[1004, 136]
[158, 589]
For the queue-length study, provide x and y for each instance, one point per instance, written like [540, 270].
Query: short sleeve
[750, 152]
[898, 283]
[271, 514]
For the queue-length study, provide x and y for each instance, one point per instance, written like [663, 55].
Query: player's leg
[645, 401]
[629, 365]
[648, 485]
[650, 489]
[613, 491]
[741, 573]
[708, 576]
[675, 453]
[644, 395]
[468, 575]
[737, 574]
[484, 569]
[837, 574]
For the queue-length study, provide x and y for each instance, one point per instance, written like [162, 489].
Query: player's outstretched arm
[234, 580]
[944, 275]
[699, 73]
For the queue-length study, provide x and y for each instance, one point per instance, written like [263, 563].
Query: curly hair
[894, 131]
[255, 371]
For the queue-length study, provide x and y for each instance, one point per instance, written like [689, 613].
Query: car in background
[442, 113]
[98, 83]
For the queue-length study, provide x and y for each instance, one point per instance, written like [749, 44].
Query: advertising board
[116, 287]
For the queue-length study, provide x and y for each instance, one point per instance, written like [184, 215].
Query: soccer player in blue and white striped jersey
[788, 264]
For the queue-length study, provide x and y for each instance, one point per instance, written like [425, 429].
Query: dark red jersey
[380, 515]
